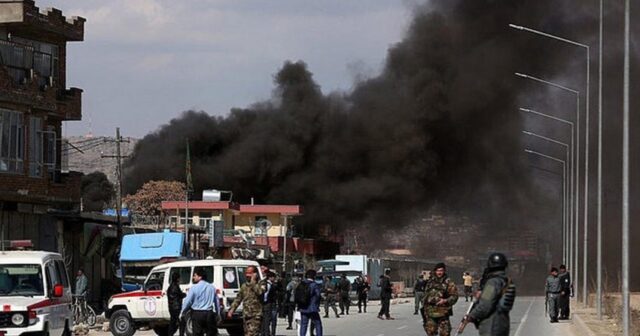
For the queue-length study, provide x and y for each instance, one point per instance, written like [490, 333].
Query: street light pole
[625, 177]
[571, 178]
[586, 146]
[599, 183]
[575, 264]
[567, 158]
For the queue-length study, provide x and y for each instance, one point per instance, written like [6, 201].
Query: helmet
[497, 260]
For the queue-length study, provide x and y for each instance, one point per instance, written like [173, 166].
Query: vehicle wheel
[91, 317]
[121, 323]
[161, 330]
[236, 331]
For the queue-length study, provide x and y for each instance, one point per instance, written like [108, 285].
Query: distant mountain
[84, 154]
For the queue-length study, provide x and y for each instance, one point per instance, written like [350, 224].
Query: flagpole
[189, 187]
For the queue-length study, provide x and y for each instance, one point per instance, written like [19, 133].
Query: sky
[144, 62]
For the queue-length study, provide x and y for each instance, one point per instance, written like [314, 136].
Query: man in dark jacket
[386, 290]
[269, 306]
[418, 293]
[362, 288]
[312, 311]
[175, 296]
[344, 286]
[565, 293]
[491, 313]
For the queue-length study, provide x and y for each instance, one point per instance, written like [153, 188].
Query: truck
[141, 252]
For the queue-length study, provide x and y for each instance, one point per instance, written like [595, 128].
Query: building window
[23, 56]
[50, 137]
[11, 141]
[35, 147]
[260, 225]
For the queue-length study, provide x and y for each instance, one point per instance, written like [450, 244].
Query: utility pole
[118, 141]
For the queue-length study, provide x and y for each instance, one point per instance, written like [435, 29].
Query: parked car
[34, 294]
[130, 311]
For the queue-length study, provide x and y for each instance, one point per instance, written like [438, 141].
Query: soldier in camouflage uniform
[439, 297]
[251, 295]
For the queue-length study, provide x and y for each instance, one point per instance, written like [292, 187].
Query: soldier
[418, 293]
[491, 313]
[251, 295]
[553, 289]
[330, 290]
[440, 296]
[362, 288]
[345, 301]
[386, 291]
[565, 293]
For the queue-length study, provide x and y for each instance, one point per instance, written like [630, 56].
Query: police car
[149, 306]
[35, 296]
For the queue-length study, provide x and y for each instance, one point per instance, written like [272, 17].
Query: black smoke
[439, 125]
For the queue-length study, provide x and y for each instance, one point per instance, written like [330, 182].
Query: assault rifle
[465, 319]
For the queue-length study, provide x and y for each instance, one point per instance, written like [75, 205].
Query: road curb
[580, 324]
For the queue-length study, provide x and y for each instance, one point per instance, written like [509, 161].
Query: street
[527, 319]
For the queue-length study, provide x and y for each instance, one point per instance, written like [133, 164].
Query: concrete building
[34, 101]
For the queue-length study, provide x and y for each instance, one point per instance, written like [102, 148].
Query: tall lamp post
[586, 149]
[576, 264]
[571, 170]
[625, 177]
[565, 205]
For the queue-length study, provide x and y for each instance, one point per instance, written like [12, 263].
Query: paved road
[527, 319]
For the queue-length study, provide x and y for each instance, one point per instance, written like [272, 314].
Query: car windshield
[135, 274]
[21, 280]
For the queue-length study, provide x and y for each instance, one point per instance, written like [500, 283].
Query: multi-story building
[34, 101]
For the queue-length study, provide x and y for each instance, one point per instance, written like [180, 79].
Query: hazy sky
[143, 62]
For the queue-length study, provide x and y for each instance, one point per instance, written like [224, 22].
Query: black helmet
[497, 260]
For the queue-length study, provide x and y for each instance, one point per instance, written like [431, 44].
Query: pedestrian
[565, 293]
[174, 298]
[362, 288]
[310, 312]
[386, 291]
[491, 313]
[250, 295]
[468, 286]
[203, 301]
[330, 290]
[344, 288]
[553, 289]
[440, 295]
[269, 306]
[82, 287]
[418, 293]
[290, 301]
[82, 284]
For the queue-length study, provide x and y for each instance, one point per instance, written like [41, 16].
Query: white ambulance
[35, 296]
[148, 307]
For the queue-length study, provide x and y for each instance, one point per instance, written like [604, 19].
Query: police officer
[251, 295]
[331, 291]
[345, 301]
[565, 292]
[553, 290]
[418, 293]
[204, 304]
[439, 297]
[491, 312]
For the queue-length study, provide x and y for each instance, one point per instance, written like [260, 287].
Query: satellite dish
[264, 225]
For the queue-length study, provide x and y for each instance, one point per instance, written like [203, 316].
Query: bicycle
[82, 312]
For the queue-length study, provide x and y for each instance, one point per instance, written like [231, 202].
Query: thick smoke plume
[439, 125]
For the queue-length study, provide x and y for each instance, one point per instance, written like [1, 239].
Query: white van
[35, 295]
[149, 307]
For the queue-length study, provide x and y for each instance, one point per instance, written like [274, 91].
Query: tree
[97, 191]
[147, 201]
